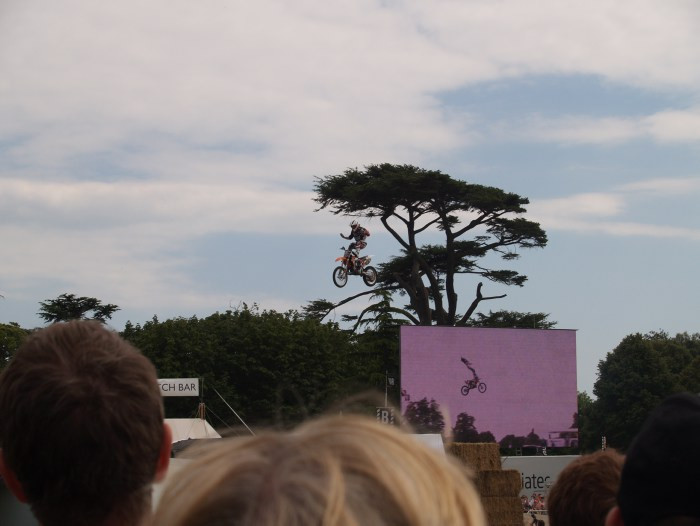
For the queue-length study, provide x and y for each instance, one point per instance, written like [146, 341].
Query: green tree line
[273, 369]
[632, 380]
[278, 368]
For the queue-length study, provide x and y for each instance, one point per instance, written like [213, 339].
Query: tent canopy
[188, 428]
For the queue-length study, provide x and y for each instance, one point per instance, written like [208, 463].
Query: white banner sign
[179, 386]
[537, 473]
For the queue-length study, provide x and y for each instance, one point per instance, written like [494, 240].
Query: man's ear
[614, 517]
[8, 476]
[164, 457]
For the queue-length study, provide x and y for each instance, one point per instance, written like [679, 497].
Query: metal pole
[386, 388]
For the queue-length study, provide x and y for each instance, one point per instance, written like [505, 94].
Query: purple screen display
[512, 381]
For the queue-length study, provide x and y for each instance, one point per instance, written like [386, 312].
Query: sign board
[179, 386]
[385, 415]
[509, 382]
[537, 474]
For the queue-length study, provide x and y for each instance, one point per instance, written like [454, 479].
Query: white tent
[189, 428]
[432, 440]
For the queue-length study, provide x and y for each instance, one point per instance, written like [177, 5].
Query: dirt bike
[353, 264]
[474, 383]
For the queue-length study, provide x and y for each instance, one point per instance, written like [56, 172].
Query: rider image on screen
[358, 234]
[472, 383]
[469, 366]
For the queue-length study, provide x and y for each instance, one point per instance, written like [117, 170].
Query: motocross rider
[471, 383]
[359, 234]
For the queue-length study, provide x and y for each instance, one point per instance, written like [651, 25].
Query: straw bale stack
[504, 483]
[499, 489]
[479, 457]
[503, 511]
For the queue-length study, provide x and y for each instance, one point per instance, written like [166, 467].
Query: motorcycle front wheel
[340, 276]
[369, 276]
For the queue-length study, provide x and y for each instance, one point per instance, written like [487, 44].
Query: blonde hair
[339, 471]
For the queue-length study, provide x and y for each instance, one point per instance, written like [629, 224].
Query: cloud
[671, 126]
[128, 129]
[572, 223]
[169, 210]
[665, 186]
[637, 42]
[674, 125]
[309, 84]
[578, 130]
[218, 77]
[594, 205]
[132, 244]
[607, 213]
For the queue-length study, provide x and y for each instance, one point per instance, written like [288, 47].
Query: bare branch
[394, 233]
[479, 298]
[351, 298]
[473, 224]
[421, 229]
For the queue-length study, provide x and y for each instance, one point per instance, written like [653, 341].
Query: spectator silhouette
[585, 490]
[660, 480]
[335, 471]
[82, 431]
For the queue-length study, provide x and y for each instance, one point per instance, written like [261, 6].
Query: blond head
[345, 470]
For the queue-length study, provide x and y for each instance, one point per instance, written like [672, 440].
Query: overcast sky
[161, 155]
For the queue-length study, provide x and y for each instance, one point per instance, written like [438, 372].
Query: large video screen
[516, 384]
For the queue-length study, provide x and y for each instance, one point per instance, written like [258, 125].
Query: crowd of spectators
[83, 439]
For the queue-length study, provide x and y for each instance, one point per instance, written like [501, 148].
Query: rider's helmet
[354, 224]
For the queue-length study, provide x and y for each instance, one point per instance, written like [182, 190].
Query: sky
[161, 155]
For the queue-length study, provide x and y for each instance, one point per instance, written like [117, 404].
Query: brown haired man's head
[82, 431]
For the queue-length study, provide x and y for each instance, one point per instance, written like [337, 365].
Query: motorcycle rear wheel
[482, 387]
[369, 276]
[340, 276]
[465, 390]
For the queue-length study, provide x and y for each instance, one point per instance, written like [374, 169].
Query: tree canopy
[473, 222]
[464, 430]
[11, 337]
[70, 307]
[273, 368]
[632, 380]
[505, 319]
[425, 416]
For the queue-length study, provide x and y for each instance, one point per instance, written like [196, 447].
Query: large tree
[472, 222]
[70, 307]
[465, 430]
[425, 416]
[632, 380]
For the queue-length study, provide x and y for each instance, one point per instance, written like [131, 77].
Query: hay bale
[479, 457]
[502, 483]
[503, 510]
